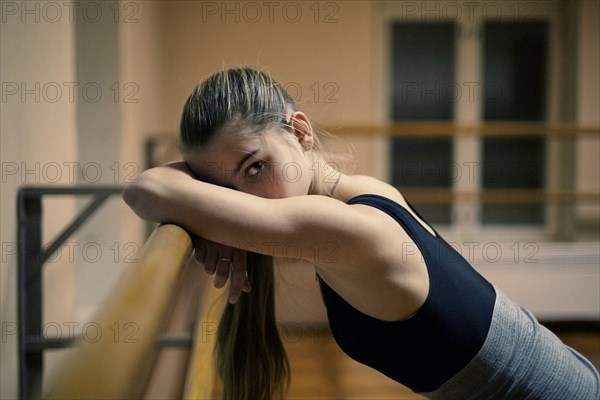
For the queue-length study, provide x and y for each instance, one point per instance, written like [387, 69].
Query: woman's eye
[254, 168]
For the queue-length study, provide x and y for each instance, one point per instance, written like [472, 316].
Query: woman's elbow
[151, 195]
[133, 197]
[130, 194]
[138, 196]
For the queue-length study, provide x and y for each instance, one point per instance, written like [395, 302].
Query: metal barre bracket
[31, 258]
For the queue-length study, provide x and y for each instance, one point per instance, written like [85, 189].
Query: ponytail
[251, 358]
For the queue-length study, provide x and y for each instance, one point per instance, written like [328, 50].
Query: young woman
[255, 184]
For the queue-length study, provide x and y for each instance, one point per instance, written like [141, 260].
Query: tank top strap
[398, 212]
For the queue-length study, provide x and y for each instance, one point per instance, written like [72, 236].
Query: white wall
[38, 138]
[61, 45]
[142, 69]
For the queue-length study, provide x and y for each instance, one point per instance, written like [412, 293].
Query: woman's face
[272, 164]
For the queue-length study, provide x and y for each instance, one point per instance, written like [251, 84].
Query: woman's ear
[302, 129]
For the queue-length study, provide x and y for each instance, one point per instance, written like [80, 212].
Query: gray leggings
[521, 359]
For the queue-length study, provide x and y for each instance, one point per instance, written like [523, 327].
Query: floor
[321, 371]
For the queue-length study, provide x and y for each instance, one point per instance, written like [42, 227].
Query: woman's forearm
[171, 194]
[241, 220]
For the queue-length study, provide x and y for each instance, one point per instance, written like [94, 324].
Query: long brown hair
[251, 358]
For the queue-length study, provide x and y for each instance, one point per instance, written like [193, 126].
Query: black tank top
[426, 350]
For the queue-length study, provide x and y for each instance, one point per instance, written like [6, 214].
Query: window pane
[423, 89]
[515, 59]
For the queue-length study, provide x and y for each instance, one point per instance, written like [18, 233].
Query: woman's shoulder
[365, 184]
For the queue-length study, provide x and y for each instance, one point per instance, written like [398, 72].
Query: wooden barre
[499, 196]
[508, 129]
[451, 129]
[201, 380]
[108, 367]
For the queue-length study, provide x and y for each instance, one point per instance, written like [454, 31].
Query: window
[471, 66]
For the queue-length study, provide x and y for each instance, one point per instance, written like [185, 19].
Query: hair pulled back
[242, 96]
[251, 358]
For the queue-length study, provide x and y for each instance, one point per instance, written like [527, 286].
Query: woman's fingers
[212, 257]
[223, 267]
[239, 277]
[199, 248]
[221, 261]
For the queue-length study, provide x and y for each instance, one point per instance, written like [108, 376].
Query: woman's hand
[221, 260]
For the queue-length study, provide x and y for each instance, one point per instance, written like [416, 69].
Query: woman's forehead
[225, 143]
[223, 154]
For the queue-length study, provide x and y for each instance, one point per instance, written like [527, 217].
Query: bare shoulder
[364, 184]
[365, 234]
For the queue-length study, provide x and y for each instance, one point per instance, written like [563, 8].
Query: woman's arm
[357, 249]
[317, 229]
